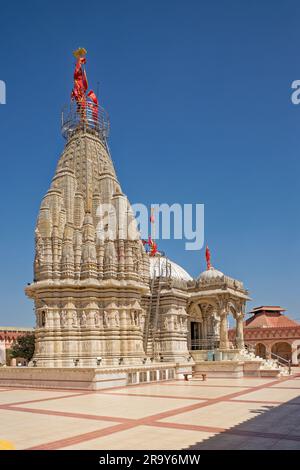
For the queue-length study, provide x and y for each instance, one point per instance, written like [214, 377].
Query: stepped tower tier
[90, 270]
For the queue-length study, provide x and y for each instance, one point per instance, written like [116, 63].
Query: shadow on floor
[274, 427]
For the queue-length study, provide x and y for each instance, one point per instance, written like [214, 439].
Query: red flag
[153, 250]
[207, 255]
[80, 81]
[93, 96]
[95, 105]
[84, 81]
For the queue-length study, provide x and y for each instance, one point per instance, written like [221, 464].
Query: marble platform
[88, 378]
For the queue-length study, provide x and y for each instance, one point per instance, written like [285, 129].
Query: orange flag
[80, 80]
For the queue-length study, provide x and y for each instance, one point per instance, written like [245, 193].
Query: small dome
[160, 265]
[211, 275]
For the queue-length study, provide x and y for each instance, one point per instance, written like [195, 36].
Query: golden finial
[80, 52]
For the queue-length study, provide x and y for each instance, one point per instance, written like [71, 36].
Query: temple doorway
[196, 335]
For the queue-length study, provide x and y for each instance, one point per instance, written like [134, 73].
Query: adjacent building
[269, 332]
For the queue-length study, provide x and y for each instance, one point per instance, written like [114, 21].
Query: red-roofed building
[268, 331]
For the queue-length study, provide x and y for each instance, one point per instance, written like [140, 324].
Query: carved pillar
[239, 332]
[295, 353]
[204, 328]
[268, 351]
[216, 325]
[224, 343]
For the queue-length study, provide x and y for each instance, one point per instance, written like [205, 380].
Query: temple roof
[267, 308]
[270, 319]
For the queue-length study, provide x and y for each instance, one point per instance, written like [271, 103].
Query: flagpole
[152, 220]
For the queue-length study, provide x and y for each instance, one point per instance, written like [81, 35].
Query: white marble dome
[211, 275]
[160, 265]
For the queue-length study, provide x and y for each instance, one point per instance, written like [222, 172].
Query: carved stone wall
[170, 340]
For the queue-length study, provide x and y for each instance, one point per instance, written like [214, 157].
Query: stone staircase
[267, 365]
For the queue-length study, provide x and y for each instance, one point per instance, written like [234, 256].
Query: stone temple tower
[91, 270]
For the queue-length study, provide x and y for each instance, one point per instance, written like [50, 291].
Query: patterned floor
[249, 413]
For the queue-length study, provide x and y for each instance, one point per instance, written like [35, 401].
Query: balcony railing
[205, 344]
[86, 116]
[281, 361]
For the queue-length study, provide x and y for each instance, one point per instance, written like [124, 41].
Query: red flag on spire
[207, 255]
[80, 81]
[153, 250]
[80, 88]
[95, 105]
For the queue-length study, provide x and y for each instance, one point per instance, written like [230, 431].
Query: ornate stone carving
[64, 319]
[75, 319]
[96, 319]
[83, 319]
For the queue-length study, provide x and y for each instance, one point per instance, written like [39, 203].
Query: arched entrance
[260, 350]
[196, 334]
[283, 350]
[203, 327]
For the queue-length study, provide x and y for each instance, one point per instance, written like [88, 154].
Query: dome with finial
[211, 275]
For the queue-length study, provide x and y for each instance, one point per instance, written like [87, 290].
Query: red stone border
[84, 437]
[287, 388]
[42, 399]
[148, 395]
[68, 414]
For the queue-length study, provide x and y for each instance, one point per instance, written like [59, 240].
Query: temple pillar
[2, 352]
[239, 332]
[295, 361]
[224, 343]
[268, 351]
[204, 328]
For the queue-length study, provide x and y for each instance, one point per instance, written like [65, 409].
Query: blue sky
[198, 94]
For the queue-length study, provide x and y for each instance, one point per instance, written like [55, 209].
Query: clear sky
[198, 94]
